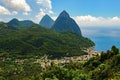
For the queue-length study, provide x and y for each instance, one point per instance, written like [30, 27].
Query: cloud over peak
[45, 8]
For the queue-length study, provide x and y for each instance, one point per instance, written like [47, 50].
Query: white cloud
[3, 11]
[17, 5]
[88, 20]
[45, 3]
[14, 12]
[54, 17]
[45, 8]
[40, 15]
[99, 26]
[96, 32]
[25, 13]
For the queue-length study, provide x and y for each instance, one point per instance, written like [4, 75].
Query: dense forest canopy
[36, 40]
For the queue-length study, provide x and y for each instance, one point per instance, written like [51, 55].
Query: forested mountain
[65, 23]
[26, 37]
[38, 40]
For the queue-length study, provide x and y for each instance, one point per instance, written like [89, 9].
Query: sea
[104, 38]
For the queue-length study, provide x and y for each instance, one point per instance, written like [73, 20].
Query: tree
[115, 50]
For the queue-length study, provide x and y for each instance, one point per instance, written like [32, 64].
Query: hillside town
[45, 62]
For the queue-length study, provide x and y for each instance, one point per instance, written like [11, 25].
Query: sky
[85, 12]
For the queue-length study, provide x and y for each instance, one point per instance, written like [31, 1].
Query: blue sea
[104, 38]
[105, 43]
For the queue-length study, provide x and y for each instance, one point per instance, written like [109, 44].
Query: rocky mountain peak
[46, 21]
[65, 23]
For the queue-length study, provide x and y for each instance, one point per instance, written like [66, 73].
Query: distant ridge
[16, 23]
[65, 23]
[46, 21]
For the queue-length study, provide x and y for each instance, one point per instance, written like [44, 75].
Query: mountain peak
[65, 23]
[46, 15]
[64, 14]
[14, 20]
[46, 21]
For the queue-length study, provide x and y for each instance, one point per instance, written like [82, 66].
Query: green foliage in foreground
[104, 67]
[39, 41]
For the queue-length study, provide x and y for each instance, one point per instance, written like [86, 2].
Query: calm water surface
[104, 38]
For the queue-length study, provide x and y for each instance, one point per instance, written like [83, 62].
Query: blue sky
[85, 12]
[103, 8]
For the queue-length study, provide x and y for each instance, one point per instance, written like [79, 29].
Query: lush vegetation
[20, 49]
[104, 67]
[38, 41]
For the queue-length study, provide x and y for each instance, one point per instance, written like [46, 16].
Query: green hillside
[37, 40]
